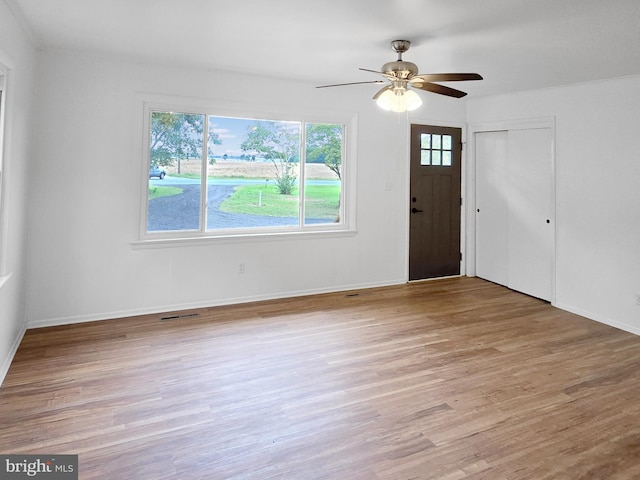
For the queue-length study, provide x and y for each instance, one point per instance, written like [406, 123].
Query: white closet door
[530, 194]
[492, 214]
[514, 209]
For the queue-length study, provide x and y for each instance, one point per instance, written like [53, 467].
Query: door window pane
[436, 150]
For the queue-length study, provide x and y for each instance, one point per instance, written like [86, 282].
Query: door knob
[415, 210]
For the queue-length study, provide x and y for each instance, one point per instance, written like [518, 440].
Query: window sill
[166, 242]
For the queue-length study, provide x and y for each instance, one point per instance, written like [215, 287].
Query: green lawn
[158, 191]
[323, 201]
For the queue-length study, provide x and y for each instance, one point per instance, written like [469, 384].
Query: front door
[434, 227]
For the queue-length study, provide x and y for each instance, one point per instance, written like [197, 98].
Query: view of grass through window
[217, 173]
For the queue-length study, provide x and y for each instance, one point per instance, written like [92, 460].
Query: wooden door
[435, 202]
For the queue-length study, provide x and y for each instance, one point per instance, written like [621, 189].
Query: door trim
[470, 192]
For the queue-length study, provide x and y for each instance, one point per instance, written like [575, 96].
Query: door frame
[470, 192]
[463, 192]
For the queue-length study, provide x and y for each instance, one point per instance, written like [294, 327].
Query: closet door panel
[530, 193]
[492, 214]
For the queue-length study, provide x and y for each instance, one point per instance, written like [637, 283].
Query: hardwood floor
[451, 379]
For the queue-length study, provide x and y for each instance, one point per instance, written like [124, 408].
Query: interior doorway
[435, 202]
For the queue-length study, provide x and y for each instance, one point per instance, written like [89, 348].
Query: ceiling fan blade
[387, 75]
[350, 83]
[441, 89]
[372, 71]
[445, 77]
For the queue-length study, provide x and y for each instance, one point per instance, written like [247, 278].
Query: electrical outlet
[241, 268]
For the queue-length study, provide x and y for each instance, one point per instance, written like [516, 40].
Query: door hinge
[460, 256]
[461, 201]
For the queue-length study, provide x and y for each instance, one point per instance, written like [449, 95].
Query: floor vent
[183, 315]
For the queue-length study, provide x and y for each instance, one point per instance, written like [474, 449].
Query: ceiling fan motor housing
[400, 69]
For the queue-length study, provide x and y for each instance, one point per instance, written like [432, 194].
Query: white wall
[85, 199]
[18, 55]
[597, 191]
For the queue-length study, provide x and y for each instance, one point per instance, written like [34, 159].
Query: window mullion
[301, 173]
[342, 212]
[204, 195]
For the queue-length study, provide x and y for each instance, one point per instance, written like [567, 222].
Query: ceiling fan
[403, 76]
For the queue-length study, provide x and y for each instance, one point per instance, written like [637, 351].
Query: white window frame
[346, 226]
[4, 224]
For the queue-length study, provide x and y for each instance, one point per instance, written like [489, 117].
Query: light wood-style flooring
[449, 379]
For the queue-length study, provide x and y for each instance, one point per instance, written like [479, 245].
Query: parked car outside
[156, 171]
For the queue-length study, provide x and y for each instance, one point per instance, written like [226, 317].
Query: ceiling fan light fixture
[399, 100]
[412, 100]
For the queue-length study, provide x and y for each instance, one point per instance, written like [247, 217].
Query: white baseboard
[52, 322]
[599, 318]
[6, 362]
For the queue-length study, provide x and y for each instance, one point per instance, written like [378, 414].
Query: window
[3, 220]
[1, 131]
[435, 150]
[212, 175]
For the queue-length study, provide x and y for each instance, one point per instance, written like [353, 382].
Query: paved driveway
[181, 212]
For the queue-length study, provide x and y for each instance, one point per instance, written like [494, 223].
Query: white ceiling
[515, 44]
